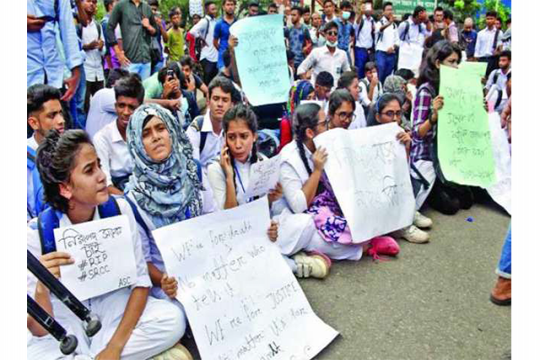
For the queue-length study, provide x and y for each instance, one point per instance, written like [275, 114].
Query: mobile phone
[170, 74]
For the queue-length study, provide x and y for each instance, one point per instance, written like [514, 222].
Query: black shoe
[443, 203]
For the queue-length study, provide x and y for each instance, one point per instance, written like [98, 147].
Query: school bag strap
[49, 220]
[138, 217]
[197, 124]
[30, 158]
[405, 34]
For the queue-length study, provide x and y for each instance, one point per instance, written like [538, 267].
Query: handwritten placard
[264, 176]
[369, 174]
[501, 191]
[410, 56]
[261, 59]
[478, 69]
[103, 254]
[241, 298]
[463, 136]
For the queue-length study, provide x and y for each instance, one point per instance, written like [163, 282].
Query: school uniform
[159, 327]
[212, 146]
[360, 120]
[384, 40]
[292, 234]
[365, 38]
[496, 88]
[321, 59]
[293, 176]
[112, 150]
[487, 42]
[364, 92]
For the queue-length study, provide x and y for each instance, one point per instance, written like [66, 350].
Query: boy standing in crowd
[175, 45]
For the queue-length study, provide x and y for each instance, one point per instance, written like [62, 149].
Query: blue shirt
[344, 34]
[297, 38]
[470, 40]
[221, 32]
[42, 55]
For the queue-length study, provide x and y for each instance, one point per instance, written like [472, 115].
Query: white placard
[410, 56]
[501, 192]
[241, 298]
[369, 173]
[264, 176]
[103, 254]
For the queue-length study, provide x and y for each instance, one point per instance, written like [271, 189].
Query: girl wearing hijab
[167, 186]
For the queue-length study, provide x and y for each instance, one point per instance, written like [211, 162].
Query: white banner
[369, 173]
[241, 298]
[410, 56]
[103, 254]
[501, 192]
[264, 176]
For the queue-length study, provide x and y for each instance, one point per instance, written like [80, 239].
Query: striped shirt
[421, 147]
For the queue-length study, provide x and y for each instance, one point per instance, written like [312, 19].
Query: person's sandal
[177, 352]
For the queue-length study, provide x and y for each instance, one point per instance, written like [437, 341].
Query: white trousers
[160, 327]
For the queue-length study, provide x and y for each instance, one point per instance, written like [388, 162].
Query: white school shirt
[321, 59]
[209, 52]
[34, 246]
[416, 35]
[484, 42]
[212, 146]
[360, 120]
[501, 80]
[364, 98]
[364, 39]
[389, 36]
[101, 111]
[113, 152]
[93, 65]
[293, 175]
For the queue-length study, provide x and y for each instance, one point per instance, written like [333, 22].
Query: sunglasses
[331, 33]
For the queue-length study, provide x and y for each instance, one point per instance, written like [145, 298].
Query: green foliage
[503, 12]
[462, 9]
[100, 13]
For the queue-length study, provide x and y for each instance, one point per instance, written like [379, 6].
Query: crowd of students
[167, 142]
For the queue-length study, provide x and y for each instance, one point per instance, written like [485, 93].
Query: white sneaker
[311, 266]
[413, 234]
[422, 221]
[177, 352]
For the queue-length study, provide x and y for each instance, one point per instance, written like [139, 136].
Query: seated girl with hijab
[230, 178]
[167, 186]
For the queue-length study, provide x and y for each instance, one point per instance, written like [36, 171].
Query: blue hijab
[168, 191]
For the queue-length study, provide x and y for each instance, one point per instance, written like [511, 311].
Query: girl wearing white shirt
[307, 189]
[230, 179]
[134, 326]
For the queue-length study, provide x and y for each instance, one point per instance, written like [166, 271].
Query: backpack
[360, 30]
[49, 220]
[200, 41]
[381, 33]
[39, 204]
[197, 124]
[406, 31]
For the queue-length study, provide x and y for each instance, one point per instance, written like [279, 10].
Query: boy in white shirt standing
[386, 43]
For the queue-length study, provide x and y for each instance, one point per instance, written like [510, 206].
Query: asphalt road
[430, 303]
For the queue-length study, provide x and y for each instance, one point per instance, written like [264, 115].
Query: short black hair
[39, 94]
[329, 25]
[107, 3]
[297, 8]
[418, 10]
[187, 61]
[326, 1]
[388, 3]
[345, 4]
[208, 3]
[491, 13]
[346, 79]
[448, 15]
[438, 8]
[272, 6]
[174, 11]
[153, 2]
[130, 86]
[506, 54]
[405, 74]
[115, 75]
[324, 78]
[162, 74]
[225, 85]
[370, 65]
[306, 10]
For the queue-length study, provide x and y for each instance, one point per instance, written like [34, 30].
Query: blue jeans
[505, 263]
[143, 69]
[76, 104]
[385, 64]
[158, 67]
[360, 59]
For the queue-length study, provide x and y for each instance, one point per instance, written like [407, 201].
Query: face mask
[346, 15]
[331, 44]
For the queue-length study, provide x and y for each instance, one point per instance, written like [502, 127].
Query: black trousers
[493, 64]
[210, 70]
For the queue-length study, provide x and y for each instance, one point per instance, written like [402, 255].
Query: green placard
[478, 68]
[463, 136]
[407, 6]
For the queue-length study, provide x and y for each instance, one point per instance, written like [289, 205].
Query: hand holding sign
[264, 176]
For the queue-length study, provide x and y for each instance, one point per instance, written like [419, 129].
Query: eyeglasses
[331, 33]
[392, 114]
[326, 123]
[345, 115]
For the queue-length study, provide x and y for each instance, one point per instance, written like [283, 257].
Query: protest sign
[264, 176]
[241, 299]
[463, 136]
[501, 192]
[103, 254]
[410, 56]
[261, 59]
[369, 174]
[478, 69]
